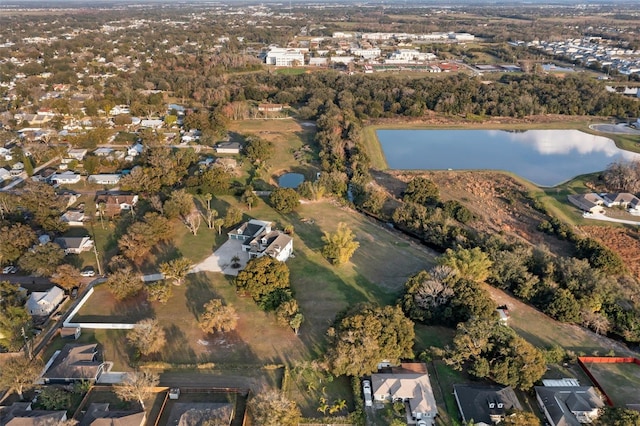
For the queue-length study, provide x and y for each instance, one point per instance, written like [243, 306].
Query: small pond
[544, 157]
[290, 180]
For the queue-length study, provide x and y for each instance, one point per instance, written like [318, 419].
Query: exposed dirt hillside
[497, 198]
[623, 241]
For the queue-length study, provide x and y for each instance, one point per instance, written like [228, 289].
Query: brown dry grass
[625, 242]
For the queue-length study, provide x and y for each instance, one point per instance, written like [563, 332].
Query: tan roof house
[409, 383]
[114, 203]
[74, 363]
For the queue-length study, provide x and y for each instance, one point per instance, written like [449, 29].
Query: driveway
[599, 216]
[220, 260]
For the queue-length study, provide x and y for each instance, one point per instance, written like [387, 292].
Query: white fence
[93, 325]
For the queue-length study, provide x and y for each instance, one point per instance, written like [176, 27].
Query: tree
[46, 206]
[366, 335]
[285, 200]
[137, 386]
[208, 213]
[14, 320]
[273, 408]
[52, 398]
[159, 291]
[339, 246]
[261, 278]
[147, 336]
[123, 283]
[618, 416]
[233, 217]
[259, 151]
[288, 314]
[16, 239]
[19, 373]
[472, 264]
[218, 317]
[249, 198]
[176, 269]
[521, 418]
[42, 260]
[495, 351]
[421, 191]
[67, 277]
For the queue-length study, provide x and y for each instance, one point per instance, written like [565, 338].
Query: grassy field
[620, 381]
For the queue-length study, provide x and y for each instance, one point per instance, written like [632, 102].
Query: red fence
[604, 360]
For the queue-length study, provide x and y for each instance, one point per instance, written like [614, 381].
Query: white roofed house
[408, 383]
[73, 218]
[43, 303]
[4, 174]
[65, 178]
[77, 154]
[258, 239]
[105, 179]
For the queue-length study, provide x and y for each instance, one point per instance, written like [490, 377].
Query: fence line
[100, 325]
[604, 360]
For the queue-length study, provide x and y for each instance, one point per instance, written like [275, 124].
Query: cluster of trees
[366, 334]
[266, 280]
[623, 176]
[14, 318]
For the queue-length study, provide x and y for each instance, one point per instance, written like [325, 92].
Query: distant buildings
[284, 57]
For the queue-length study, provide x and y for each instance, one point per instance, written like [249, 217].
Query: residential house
[74, 245]
[77, 153]
[622, 199]
[119, 109]
[151, 124]
[74, 363]
[135, 149]
[485, 405]
[197, 413]
[590, 202]
[6, 154]
[21, 414]
[65, 178]
[17, 168]
[4, 174]
[569, 405]
[112, 204]
[99, 414]
[258, 239]
[103, 152]
[43, 175]
[409, 383]
[73, 218]
[105, 179]
[43, 303]
[228, 148]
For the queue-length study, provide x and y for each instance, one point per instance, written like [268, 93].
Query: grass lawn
[288, 137]
[443, 378]
[620, 381]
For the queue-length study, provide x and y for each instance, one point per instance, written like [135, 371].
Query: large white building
[367, 53]
[283, 57]
[410, 55]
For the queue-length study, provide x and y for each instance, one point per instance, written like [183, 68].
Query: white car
[9, 269]
[89, 272]
[366, 390]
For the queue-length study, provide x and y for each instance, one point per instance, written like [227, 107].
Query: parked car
[9, 269]
[88, 272]
[366, 390]
[74, 292]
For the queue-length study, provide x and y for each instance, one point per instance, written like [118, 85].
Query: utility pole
[26, 343]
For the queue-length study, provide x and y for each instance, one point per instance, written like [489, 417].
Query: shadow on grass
[177, 349]
[132, 309]
[198, 293]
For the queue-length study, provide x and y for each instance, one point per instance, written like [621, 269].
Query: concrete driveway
[220, 260]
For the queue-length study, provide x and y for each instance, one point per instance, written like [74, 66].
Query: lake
[544, 157]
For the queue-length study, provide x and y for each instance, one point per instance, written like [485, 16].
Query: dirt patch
[497, 198]
[623, 241]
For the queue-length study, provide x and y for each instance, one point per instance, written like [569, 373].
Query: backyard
[620, 381]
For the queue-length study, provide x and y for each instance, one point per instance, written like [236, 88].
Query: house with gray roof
[258, 239]
[409, 383]
[590, 202]
[569, 405]
[21, 414]
[622, 199]
[99, 414]
[485, 405]
[74, 245]
[43, 303]
[74, 363]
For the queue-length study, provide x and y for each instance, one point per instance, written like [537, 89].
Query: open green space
[620, 381]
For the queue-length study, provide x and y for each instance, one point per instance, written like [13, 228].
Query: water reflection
[545, 157]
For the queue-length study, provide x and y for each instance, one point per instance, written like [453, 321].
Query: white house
[65, 178]
[73, 218]
[151, 124]
[258, 239]
[77, 153]
[135, 150]
[622, 199]
[409, 383]
[105, 179]
[74, 245]
[120, 109]
[42, 303]
[4, 174]
[367, 53]
[284, 57]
